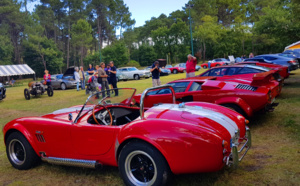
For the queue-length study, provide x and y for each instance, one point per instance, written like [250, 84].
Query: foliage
[133, 63]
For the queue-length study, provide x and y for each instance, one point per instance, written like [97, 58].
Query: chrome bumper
[237, 154]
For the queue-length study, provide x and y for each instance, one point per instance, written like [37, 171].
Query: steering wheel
[102, 118]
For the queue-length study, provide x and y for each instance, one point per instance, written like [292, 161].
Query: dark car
[292, 63]
[2, 91]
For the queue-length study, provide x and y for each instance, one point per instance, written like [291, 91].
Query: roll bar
[144, 94]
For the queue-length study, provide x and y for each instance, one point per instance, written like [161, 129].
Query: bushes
[133, 63]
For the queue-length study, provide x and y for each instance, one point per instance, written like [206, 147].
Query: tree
[81, 36]
[208, 32]
[38, 48]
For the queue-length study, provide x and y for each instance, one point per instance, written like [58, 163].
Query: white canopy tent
[15, 70]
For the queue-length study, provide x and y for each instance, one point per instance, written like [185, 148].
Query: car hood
[195, 115]
[62, 114]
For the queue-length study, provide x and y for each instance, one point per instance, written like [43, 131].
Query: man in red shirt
[191, 66]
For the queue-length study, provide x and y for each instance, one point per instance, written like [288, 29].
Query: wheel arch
[143, 140]
[20, 129]
[238, 102]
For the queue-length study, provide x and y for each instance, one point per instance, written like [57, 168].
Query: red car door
[91, 139]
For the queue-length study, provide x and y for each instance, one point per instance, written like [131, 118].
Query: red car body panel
[264, 79]
[214, 64]
[218, 92]
[282, 70]
[179, 69]
[182, 138]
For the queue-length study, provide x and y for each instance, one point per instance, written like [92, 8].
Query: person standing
[113, 77]
[82, 78]
[155, 70]
[251, 55]
[91, 70]
[47, 78]
[107, 69]
[191, 66]
[77, 77]
[102, 77]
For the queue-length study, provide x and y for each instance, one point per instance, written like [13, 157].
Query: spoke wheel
[26, 94]
[103, 117]
[175, 71]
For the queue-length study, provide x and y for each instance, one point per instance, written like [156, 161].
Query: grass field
[273, 160]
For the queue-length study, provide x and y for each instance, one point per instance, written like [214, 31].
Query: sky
[143, 10]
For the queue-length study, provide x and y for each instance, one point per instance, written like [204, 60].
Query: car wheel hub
[17, 152]
[140, 168]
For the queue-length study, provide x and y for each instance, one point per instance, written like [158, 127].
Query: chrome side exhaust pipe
[72, 162]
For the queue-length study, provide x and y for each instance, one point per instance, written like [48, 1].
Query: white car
[134, 73]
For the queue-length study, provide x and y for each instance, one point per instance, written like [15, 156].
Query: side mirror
[70, 116]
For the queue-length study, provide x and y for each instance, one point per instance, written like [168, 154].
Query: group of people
[105, 77]
[190, 70]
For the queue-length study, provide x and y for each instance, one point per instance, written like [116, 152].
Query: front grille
[40, 138]
[246, 87]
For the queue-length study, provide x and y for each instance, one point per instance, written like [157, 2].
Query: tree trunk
[81, 56]
[68, 45]
[204, 50]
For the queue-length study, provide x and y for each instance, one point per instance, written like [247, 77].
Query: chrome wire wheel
[17, 152]
[140, 168]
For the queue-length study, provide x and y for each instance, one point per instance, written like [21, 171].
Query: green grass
[273, 160]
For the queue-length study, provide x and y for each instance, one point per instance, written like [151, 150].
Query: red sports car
[248, 74]
[244, 99]
[215, 63]
[283, 71]
[175, 69]
[146, 145]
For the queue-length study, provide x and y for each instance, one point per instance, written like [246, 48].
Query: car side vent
[40, 138]
[246, 87]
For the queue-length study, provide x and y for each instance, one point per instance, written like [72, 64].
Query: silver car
[58, 81]
[134, 73]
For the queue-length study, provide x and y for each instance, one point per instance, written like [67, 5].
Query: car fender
[238, 101]
[15, 126]
[176, 141]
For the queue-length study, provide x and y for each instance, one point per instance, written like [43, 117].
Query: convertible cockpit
[119, 116]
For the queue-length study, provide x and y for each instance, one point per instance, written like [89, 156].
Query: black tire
[236, 108]
[175, 71]
[63, 86]
[19, 152]
[149, 162]
[205, 67]
[50, 91]
[26, 94]
[136, 77]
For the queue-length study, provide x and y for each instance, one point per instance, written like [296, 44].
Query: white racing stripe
[220, 118]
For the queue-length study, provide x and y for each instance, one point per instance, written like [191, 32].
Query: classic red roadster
[242, 98]
[248, 74]
[147, 146]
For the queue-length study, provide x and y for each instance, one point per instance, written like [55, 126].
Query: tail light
[292, 61]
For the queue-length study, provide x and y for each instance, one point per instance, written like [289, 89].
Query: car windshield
[181, 65]
[132, 69]
[169, 66]
[124, 98]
